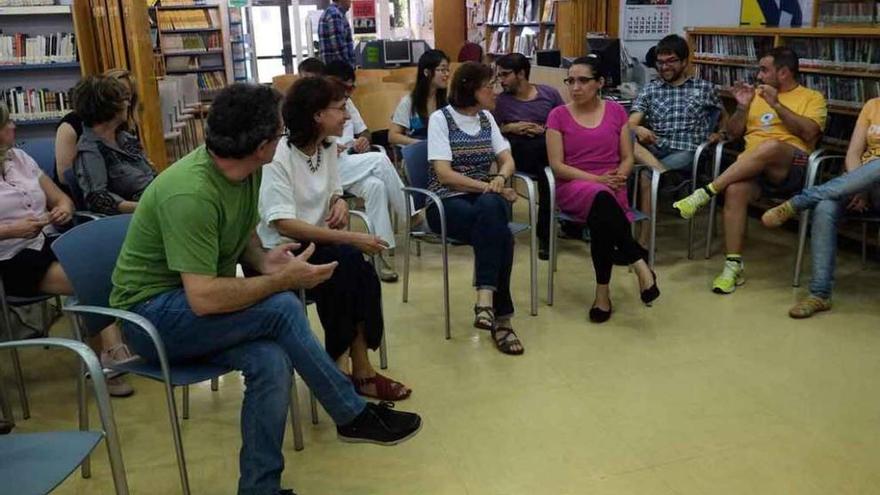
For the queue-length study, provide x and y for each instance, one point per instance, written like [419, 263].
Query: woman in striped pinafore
[463, 143]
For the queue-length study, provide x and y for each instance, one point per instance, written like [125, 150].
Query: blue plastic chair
[36, 463]
[415, 157]
[90, 276]
[42, 150]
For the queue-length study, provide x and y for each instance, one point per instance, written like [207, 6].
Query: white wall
[687, 13]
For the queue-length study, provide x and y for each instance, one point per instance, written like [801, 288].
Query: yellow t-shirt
[764, 124]
[870, 115]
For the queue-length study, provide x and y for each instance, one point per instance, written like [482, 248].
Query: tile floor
[700, 394]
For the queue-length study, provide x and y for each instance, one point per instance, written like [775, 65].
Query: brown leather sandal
[505, 339]
[386, 388]
[484, 317]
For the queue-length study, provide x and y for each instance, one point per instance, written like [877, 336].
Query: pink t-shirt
[20, 197]
[594, 150]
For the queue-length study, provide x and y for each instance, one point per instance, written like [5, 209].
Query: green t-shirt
[191, 219]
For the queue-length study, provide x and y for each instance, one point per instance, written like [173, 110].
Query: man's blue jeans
[829, 200]
[266, 341]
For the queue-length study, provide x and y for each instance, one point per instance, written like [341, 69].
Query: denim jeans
[673, 159]
[829, 200]
[481, 221]
[266, 341]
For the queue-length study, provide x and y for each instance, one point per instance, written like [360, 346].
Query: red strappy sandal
[385, 388]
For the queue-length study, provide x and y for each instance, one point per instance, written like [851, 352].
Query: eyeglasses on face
[341, 108]
[442, 69]
[668, 61]
[504, 73]
[582, 80]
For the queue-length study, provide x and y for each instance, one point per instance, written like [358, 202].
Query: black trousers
[530, 156]
[610, 231]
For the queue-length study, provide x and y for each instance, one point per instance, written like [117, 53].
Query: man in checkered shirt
[334, 34]
[671, 116]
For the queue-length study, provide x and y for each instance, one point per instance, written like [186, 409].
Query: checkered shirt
[678, 115]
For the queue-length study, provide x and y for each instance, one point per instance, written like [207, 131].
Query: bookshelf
[39, 64]
[522, 26]
[842, 63]
[193, 38]
[244, 55]
[831, 13]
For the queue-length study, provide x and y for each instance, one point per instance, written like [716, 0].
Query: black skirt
[23, 273]
[352, 295]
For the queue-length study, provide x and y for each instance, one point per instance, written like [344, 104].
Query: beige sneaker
[119, 387]
[778, 215]
[809, 306]
[386, 271]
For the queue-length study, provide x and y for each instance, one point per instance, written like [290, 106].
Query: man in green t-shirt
[177, 268]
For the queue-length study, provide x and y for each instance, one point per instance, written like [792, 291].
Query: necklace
[315, 161]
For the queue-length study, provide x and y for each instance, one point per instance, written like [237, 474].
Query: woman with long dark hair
[409, 123]
[301, 201]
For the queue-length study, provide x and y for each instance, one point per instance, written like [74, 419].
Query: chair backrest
[167, 102]
[42, 150]
[283, 82]
[377, 107]
[404, 75]
[76, 193]
[415, 157]
[87, 254]
[470, 52]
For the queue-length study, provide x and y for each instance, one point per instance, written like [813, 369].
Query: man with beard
[678, 108]
[781, 121]
[522, 111]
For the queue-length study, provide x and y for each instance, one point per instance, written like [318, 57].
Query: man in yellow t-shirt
[781, 122]
[857, 191]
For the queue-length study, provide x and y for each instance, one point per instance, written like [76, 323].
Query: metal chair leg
[554, 224]
[47, 318]
[186, 402]
[864, 244]
[444, 255]
[313, 406]
[16, 361]
[406, 248]
[82, 399]
[295, 419]
[383, 354]
[802, 243]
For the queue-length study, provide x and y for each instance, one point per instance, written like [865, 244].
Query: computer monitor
[397, 52]
[608, 51]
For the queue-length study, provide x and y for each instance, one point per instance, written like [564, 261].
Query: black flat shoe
[651, 293]
[598, 315]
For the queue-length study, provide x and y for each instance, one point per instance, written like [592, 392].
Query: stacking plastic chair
[415, 157]
[42, 150]
[36, 463]
[90, 276]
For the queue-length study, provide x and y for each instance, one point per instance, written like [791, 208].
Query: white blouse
[290, 190]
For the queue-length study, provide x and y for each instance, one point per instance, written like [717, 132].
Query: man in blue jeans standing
[177, 268]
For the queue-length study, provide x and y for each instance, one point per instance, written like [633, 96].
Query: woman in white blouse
[463, 143]
[301, 200]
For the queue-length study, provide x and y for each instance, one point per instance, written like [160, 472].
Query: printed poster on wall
[781, 13]
[363, 14]
[647, 19]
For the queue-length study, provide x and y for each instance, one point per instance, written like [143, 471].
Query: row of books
[849, 13]
[26, 3]
[34, 103]
[525, 43]
[21, 48]
[498, 12]
[190, 41]
[170, 3]
[526, 10]
[188, 19]
[498, 42]
[549, 42]
[185, 62]
[212, 80]
[855, 54]
[843, 91]
[733, 48]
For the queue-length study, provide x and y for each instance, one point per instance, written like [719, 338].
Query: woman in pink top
[30, 206]
[591, 154]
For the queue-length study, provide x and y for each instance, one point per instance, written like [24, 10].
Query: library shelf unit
[244, 56]
[39, 87]
[847, 13]
[517, 26]
[843, 63]
[194, 38]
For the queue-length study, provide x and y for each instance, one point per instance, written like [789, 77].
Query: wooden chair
[372, 74]
[405, 75]
[376, 107]
[283, 82]
[374, 86]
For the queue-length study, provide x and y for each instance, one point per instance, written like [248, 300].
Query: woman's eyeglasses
[569, 81]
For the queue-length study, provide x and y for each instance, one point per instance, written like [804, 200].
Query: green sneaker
[731, 278]
[688, 206]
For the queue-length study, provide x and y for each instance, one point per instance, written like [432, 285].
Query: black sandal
[484, 317]
[505, 338]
